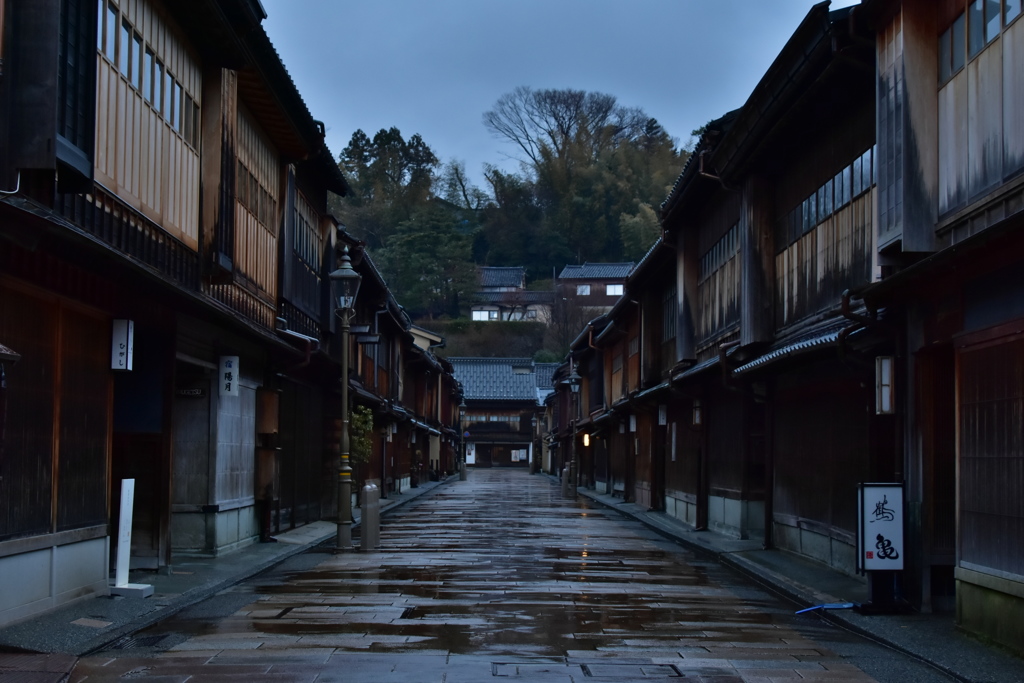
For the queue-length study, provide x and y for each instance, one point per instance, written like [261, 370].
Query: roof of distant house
[502, 277]
[544, 372]
[496, 379]
[597, 271]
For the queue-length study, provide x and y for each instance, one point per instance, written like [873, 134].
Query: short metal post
[565, 481]
[370, 521]
[462, 471]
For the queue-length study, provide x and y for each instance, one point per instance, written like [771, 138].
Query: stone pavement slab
[467, 587]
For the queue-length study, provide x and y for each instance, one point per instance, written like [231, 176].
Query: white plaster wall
[810, 543]
[736, 518]
[51, 577]
[236, 446]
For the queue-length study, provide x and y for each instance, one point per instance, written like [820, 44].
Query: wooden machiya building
[836, 299]
[502, 402]
[165, 311]
[951, 241]
[411, 393]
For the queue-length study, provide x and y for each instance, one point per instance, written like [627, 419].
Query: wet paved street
[499, 578]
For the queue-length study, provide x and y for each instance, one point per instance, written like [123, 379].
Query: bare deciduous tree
[550, 122]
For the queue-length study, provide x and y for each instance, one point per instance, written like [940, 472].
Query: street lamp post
[574, 380]
[462, 438]
[345, 285]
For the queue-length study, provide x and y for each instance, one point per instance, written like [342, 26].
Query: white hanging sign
[228, 377]
[122, 346]
[880, 527]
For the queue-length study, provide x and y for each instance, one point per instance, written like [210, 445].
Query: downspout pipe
[711, 176]
[309, 346]
[723, 350]
[858, 322]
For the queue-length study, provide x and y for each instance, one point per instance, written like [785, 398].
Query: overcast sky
[434, 67]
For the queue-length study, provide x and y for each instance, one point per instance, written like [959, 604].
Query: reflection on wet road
[493, 577]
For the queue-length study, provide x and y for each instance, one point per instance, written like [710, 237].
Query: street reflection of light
[584, 553]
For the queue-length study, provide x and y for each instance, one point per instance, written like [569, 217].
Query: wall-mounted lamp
[698, 413]
[632, 423]
[884, 394]
[586, 439]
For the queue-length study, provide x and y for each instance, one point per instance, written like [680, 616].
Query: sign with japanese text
[228, 377]
[122, 348]
[880, 527]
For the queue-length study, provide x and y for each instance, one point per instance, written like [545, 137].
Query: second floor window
[614, 290]
[971, 31]
[126, 48]
[582, 290]
[669, 314]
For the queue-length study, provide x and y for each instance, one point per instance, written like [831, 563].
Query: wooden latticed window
[719, 286]
[75, 69]
[823, 243]
[307, 254]
[991, 454]
[58, 415]
[669, 314]
[256, 211]
[147, 116]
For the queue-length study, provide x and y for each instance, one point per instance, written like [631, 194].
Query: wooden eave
[271, 112]
[843, 84]
[650, 267]
[806, 84]
[582, 341]
[215, 29]
[877, 13]
[8, 355]
[693, 187]
[799, 61]
[985, 252]
[67, 241]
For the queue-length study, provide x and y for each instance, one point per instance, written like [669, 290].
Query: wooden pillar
[757, 258]
[219, 163]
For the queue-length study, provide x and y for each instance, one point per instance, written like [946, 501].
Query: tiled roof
[8, 354]
[597, 271]
[502, 277]
[825, 334]
[543, 373]
[496, 379]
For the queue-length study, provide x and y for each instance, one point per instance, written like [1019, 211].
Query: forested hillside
[591, 175]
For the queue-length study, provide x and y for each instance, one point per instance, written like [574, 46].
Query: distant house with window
[503, 296]
[593, 285]
[501, 396]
